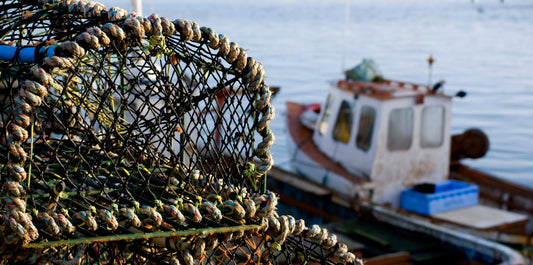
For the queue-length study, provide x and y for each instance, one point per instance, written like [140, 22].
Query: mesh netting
[137, 140]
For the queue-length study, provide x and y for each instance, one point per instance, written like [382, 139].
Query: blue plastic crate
[448, 195]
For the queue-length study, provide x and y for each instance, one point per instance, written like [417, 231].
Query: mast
[345, 34]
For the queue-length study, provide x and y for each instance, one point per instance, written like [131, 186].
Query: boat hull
[302, 194]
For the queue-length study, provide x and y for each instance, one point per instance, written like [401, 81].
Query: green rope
[136, 236]
[66, 195]
[252, 174]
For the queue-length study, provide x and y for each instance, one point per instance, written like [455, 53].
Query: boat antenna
[430, 65]
[345, 34]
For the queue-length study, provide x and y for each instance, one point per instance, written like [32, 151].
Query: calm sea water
[483, 48]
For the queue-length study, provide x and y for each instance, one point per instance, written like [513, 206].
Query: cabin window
[343, 125]
[366, 128]
[432, 127]
[323, 125]
[400, 133]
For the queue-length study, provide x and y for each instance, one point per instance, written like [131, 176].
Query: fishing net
[129, 140]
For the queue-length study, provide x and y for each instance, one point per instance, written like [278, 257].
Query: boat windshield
[323, 125]
[343, 125]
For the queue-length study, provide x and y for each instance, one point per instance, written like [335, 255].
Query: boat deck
[483, 217]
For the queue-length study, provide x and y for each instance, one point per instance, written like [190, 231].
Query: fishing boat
[380, 235]
[385, 146]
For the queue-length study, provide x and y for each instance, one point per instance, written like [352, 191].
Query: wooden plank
[481, 217]
[392, 258]
[490, 184]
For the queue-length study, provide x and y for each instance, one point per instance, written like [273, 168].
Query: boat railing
[501, 193]
[386, 88]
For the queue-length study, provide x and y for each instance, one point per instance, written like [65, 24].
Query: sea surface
[483, 47]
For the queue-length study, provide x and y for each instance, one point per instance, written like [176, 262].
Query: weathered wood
[401, 257]
[483, 217]
[505, 194]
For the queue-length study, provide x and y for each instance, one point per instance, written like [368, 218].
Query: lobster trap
[130, 140]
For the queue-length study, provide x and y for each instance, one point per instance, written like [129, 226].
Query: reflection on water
[484, 49]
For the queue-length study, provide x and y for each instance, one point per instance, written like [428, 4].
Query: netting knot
[252, 174]
[129, 213]
[135, 26]
[175, 213]
[108, 219]
[56, 61]
[70, 49]
[114, 31]
[185, 29]
[40, 75]
[88, 40]
[193, 212]
[167, 27]
[211, 35]
[265, 204]
[116, 13]
[233, 52]
[212, 210]
[156, 45]
[93, 9]
[50, 223]
[64, 223]
[157, 29]
[16, 171]
[224, 45]
[35, 87]
[87, 219]
[102, 37]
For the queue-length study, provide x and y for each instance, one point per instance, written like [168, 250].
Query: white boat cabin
[394, 134]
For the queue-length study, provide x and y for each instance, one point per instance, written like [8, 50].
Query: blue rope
[24, 54]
